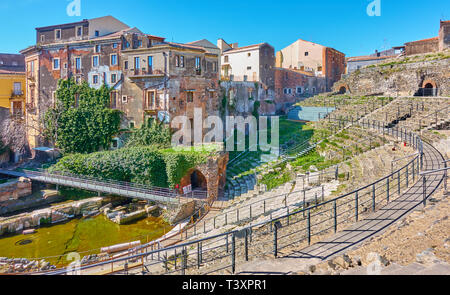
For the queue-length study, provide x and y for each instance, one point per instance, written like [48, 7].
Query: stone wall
[15, 189]
[403, 79]
[422, 46]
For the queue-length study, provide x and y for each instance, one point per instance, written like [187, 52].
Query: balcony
[144, 73]
[17, 94]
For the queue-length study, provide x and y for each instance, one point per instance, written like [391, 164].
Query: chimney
[234, 45]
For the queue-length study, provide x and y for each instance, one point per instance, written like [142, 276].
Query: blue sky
[342, 24]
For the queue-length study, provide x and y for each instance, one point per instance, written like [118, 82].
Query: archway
[198, 181]
[429, 88]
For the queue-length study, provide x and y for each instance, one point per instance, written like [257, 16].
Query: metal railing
[299, 226]
[126, 189]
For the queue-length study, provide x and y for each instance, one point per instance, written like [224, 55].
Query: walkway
[375, 224]
[124, 189]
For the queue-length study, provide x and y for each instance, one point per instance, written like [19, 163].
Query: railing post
[237, 214]
[374, 203]
[275, 240]
[387, 189]
[399, 183]
[413, 172]
[424, 191]
[407, 176]
[233, 253]
[184, 264]
[251, 212]
[199, 255]
[309, 226]
[335, 216]
[356, 206]
[246, 245]
[264, 206]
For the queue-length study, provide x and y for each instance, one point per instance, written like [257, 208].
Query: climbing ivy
[151, 133]
[144, 165]
[81, 120]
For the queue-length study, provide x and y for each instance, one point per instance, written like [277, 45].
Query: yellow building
[12, 91]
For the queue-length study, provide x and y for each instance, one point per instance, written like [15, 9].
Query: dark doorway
[342, 90]
[198, 181]
[429, 90]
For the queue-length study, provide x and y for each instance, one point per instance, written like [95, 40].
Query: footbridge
[118, 188]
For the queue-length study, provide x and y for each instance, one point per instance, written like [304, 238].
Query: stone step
[438, 269]
[411, 269]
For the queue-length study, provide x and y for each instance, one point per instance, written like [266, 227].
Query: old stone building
[12, 83]
[320, 60]
[439, 43]
[254, 63]
[292, 86]
[88, 50]
[444, 36]
[168, 80]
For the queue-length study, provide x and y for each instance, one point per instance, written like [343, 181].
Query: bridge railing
[107, 186]
[301, 226]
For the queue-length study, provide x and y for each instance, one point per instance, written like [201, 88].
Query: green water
[84, 236]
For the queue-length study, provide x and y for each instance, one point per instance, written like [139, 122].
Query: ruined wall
[14, 190]
[422, 46]
[399, 79]
[444, 36]
[300, 85]
[334, 66]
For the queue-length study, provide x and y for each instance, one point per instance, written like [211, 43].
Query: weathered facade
[85, 51]
[254, 63]
[307, 56]
[168, 80]
[439, 43]
[292, 86]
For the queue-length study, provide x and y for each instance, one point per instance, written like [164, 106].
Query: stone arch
[429, 88]
[198, 180]
[429, 84]
[343, 89]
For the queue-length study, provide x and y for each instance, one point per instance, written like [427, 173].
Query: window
[177, 61]
[124, 99]
[198, 66]
[182, 61]
[79, 31]
[113, 59]
[319, 68]
[17, 88]
[249, 54]
[132, 125]
[306, 53]
[114, 46]
[139, 43]
[226, 58]
[113, 78]
[125, 65]
[56, 64]
[249, 68]
[215, 67]
[245, 78]
[137, 63]
[97, 33]
[95, 59]
[287, 91]
[95, 79]
[299, 90]
[58, 34]
[190, 96]
[42, 38]
[97, 48]
[78, 63]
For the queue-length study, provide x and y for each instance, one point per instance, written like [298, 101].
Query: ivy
[152, 133]
[81, 120]
[143, 165]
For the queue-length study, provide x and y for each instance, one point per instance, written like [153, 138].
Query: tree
[3, 148]
[152, 133]
[81, 120]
